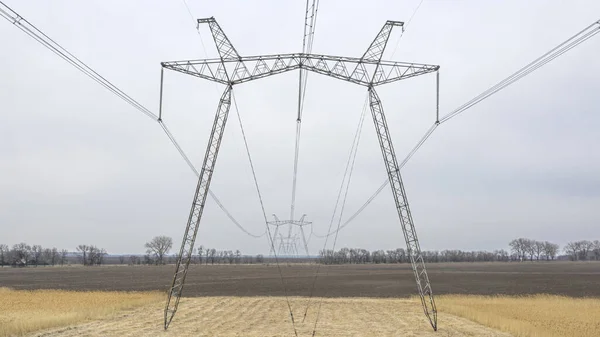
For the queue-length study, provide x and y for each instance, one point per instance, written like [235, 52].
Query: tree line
[22, 254]
[158, 248]
[521, 249]
[157, 252]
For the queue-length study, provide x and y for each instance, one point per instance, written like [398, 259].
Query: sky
[80, 166]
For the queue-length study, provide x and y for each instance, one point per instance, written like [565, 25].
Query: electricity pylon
[288, 244]
[370, 71]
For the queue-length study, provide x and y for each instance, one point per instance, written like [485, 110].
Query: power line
[337, 231]
[406, 26]
[262, 206]
[310, 23]
[187, 160]
[349, 164]
[552, 54]
[238, 225]
[31, 30]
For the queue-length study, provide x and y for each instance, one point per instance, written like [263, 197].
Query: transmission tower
[370, 71]
[288, 245]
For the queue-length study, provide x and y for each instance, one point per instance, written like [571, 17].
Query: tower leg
[406, 221]
[189, 237]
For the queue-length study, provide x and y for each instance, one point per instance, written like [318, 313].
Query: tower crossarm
[351, 69]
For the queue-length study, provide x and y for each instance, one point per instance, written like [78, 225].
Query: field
[26, 311]
[474, 299]
[558, 278]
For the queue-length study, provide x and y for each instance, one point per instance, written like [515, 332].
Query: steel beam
[406, 221]
[189, 237]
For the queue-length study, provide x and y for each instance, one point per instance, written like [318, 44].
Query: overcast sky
[79, 165]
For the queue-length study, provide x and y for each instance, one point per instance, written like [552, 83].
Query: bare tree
[96, 255]
[83, 250]
[199, 250]
[3, 254]
[133, 259]
[572, 249]
[21, 253]
[585, 248]
[260, 258]
[47, 256]
[530, 248]
[213, 255]
[238, 256]
[520, 247]
[538, 247]
[122, 259]
[63, 256]
[596, 250]
[550, 250]
[159, 246]
[36, 254]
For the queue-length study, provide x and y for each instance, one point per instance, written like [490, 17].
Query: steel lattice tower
[288, 244]
[370, 71]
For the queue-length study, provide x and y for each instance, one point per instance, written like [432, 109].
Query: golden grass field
[529, 316]
[52, 313]
[26, 311]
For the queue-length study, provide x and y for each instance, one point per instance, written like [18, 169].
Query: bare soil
[576, 279]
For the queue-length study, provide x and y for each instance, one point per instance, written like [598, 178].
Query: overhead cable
[555, 52]
[29, 29]
[262, 206]
[349, 168]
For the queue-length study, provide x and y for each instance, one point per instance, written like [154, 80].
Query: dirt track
[563, 278]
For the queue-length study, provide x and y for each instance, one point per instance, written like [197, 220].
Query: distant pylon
[288, 245]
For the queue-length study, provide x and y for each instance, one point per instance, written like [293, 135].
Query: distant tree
[63, 256]
[550, 250]
[572, 249]
[213, 256]
[36, 254]
[538, 248]
[91, 255]
[520, 248]
[260, 258]
[501, 255]
[122, 259]
[83, 250]
[596, 250]
[21, 253]
[133, 259]
[96, 255]
[207, 253]
[3, 254]
[47, 256]
[238, 256]
[200, 250]
[530, 248]
[159, 246]
[148, 259]
[585, 247]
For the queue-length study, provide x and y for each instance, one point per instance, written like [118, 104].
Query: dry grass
[53, 313]
[269, 316]
[529, 316]
[26, 311]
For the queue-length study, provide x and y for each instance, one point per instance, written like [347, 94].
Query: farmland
[575, 279]
[474, 299]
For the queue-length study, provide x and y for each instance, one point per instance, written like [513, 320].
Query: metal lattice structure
[288, 244]
[369, 70]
